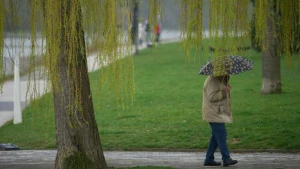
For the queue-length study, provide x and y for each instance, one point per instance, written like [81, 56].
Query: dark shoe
[212, 163]
[229, 162]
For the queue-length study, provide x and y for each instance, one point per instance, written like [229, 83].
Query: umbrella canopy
[226, 66]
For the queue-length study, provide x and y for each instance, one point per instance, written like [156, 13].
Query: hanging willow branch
[290, 17]
[285, 19]
[260, 12]
[191, 24]
[228, 26]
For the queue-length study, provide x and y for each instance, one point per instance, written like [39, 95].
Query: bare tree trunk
[135, 26]
[78, 140]
[270, 59]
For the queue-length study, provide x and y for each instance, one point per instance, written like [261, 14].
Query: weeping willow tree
[276, 26]
[64, 29]
[277, 32]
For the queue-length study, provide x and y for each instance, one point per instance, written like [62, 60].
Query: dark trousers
[157, 39]
[218, 139]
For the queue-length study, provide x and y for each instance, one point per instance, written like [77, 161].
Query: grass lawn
[166, 111]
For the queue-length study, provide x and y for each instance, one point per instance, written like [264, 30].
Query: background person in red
[157, 32]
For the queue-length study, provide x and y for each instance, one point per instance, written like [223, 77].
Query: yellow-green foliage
[260, 12]
[229, 25]
[290, 26]
[191, 24]
[285, 18]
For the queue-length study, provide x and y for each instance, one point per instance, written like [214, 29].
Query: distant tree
[135, 25]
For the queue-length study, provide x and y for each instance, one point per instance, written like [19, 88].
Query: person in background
[148, 33]
[141, 33]
[157, 32]
[216, 110]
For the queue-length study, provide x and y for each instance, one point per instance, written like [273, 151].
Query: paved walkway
[184, 160]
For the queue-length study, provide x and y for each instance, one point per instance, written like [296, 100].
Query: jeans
[218, 139]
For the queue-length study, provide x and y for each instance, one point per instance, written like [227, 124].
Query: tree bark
[135, 26]
[78, 140]
[271, 83]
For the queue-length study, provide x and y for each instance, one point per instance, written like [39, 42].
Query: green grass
[166, 112]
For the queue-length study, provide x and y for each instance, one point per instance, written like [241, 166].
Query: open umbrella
[227, 65]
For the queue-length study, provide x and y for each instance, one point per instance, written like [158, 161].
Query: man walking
[216, 109]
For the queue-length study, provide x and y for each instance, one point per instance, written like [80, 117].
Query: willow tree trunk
[78, 140]
[270, 58]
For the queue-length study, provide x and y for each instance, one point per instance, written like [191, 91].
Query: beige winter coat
[216, 106]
